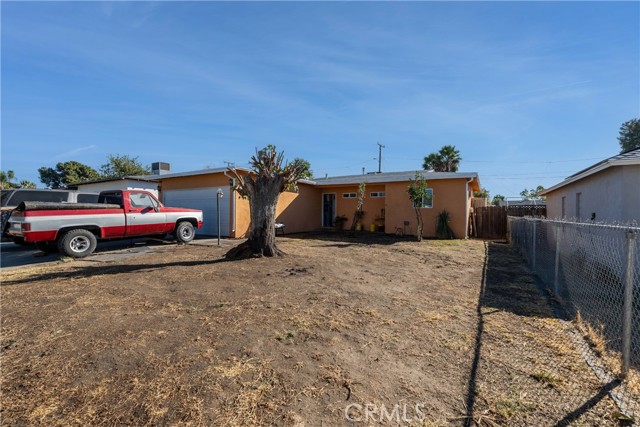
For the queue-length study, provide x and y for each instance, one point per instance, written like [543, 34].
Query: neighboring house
[137, 182]
[608, 191]
[318, 202]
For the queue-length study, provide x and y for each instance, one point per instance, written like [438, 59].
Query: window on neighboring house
[427, 198]
[564, 199]
[578, 196]
[349, 195]
[377, 194]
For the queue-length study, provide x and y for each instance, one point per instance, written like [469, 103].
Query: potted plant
[339, 222]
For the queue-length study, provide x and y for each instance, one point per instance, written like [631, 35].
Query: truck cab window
[141, 200]
[111, 199]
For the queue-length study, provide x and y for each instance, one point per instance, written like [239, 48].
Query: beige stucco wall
[612, 194]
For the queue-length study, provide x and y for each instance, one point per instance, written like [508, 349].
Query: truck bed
[58, 206]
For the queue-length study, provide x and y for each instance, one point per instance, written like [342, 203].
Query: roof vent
[160, 168]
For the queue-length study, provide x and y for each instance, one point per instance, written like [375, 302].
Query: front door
[328, 209]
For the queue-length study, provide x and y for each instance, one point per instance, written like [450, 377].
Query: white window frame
[430, 200]
[349, 195]
[377, 194]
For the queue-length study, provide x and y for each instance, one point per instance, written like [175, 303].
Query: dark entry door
[328, 209]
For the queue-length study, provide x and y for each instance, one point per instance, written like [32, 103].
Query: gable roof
[631, 157]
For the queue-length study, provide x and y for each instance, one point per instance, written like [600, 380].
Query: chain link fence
[592, 272]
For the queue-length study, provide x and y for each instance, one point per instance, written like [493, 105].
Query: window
[427, 198]
[349, 195]
[564, 199]
[87, 198]
[20, 196]
[578, 205]
[377, 194]
[111, 198]
[141, 200]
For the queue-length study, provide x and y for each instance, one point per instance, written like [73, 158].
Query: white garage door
[205, 200]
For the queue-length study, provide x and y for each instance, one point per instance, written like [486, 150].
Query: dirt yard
[181, 338]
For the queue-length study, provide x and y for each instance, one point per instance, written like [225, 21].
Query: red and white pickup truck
[74, 228]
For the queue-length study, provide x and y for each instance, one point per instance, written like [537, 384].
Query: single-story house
[608, 191]
[134, 182]
[318, 202]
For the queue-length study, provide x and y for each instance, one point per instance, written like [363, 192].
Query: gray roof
[339, 180]
[373, 178]
[197, 172]
[631, 157]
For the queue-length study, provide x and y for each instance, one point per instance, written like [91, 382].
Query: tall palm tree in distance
[446, 160]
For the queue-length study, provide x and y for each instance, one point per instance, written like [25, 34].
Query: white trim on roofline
[598, 167]
[371, 178]
[391, 177]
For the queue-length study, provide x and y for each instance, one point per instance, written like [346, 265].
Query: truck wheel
[77, 243]
[185, 232]
[46, 247]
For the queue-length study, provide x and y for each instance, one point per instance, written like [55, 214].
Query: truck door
[143, 215]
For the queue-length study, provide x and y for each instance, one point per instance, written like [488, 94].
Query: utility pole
[380, 147]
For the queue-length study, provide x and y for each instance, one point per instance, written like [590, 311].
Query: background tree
[66, 173]
[6, 178]
[629, 137]
[358, 214]
[533, 194]
[497, 199]
[27, 184]
[263, 189]
[446, 160]
[417, 192]
[308, 173]
[483, 193]
[120, 166]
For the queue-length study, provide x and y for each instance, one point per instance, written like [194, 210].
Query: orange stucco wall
[372, 207]
[448, 194]
[298, 211]
[302, 211]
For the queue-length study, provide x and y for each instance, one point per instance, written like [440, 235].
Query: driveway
[12, 255]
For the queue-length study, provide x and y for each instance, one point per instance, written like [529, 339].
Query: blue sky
[529, 92]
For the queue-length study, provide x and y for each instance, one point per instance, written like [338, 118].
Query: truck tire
[185, 232]
[46, 247]
[77, 243]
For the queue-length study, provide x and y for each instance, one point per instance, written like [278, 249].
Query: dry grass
[289, 341]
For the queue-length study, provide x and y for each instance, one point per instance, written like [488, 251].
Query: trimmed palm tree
[446, 160]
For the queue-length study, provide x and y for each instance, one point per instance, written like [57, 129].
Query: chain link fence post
[556, 269]
[533, 247]
[628, 304]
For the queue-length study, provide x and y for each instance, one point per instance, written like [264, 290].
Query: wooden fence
[490, 222]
